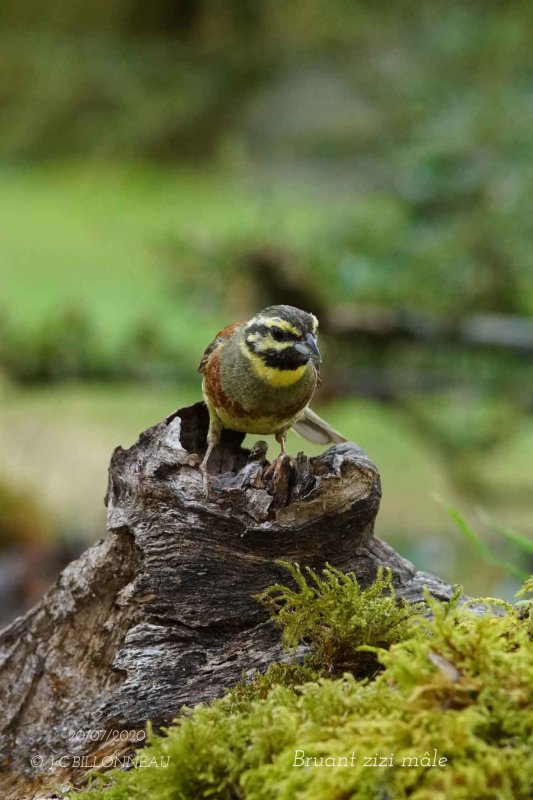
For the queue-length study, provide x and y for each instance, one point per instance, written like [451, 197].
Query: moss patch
[448, 716]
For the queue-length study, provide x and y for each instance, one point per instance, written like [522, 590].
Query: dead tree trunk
[161, 612]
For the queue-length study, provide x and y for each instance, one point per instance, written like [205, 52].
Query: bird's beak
[309, 348]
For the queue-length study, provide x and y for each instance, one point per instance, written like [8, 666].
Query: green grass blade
[520, 541]
[479, 546]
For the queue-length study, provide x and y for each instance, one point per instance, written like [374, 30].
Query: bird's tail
[316, 430]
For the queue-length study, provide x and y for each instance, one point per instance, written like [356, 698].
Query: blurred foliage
[109, 98]
[373, 157]
[22, 520]
[68, 347]
[429, 97]
[121, 79]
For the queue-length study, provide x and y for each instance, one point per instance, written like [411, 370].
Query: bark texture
[161, 612]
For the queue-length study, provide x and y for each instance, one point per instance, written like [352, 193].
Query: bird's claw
[273, 471]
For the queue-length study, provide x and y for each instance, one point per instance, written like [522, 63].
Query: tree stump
[161, 612]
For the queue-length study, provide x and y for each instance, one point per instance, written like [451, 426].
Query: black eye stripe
[281, 335]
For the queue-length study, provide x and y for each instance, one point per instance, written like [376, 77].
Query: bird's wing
[316, 430]
[219, 339]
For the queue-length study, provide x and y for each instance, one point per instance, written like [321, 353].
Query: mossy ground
[448, 716]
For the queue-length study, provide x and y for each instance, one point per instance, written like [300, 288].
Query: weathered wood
[161, 613]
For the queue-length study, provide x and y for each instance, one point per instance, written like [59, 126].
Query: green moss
[527, 588]
[456, 688]
[257, 688]
[336, 616]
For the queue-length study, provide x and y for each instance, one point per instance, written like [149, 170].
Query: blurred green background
[167, 168]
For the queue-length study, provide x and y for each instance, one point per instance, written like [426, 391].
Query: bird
[259, 377]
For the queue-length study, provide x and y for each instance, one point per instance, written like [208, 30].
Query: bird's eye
[279, 335]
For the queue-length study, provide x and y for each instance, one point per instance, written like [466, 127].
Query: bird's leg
[213, 438]
[203, 466]
[274, 467]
